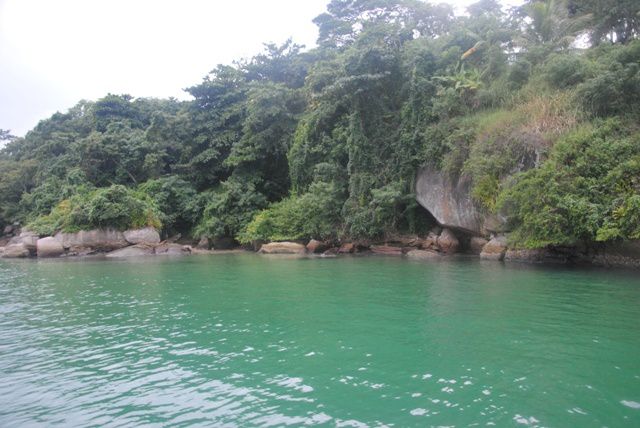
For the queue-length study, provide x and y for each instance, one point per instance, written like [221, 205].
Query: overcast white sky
[55, 53]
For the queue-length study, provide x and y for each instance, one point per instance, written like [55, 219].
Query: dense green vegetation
[325, 143]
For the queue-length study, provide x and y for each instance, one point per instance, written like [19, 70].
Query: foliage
[230, 208]
[114, 206]
[588, 189]
[311, 215]
[326, 142]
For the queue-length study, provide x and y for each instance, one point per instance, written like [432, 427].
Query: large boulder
[314, 246]
[283, 248]
[132, 251]
[448, 200]
[495, 249]
[15, 251]
[447, 242]
[28, 238]
[49, 247]
[146, 235]
[95, 240]
[347, 248]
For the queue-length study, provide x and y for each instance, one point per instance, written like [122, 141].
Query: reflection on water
[244, 340]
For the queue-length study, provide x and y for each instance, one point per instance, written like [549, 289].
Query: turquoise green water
[247, 340]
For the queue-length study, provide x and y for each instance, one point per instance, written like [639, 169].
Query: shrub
[115, 206]
[315, 214]
[584, 191]
[564, 71]
[176, 200]
[230, 208]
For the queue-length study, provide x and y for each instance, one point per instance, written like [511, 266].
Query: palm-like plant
[550, 23]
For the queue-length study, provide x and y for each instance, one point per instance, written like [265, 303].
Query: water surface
[248, 340]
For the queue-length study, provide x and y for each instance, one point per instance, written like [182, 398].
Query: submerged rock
[495, 249]
[49, 247]
[283, 248]
[146, 235]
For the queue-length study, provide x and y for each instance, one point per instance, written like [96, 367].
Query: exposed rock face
[423, 254]
[98, 240]
[317, 247]
[386, 250]
[132, 251]
[447, 242]
[539, 255]
[8, 230]
[15, 251]
[495, 249]
[347, 248]
[447, 200]
[283, 248]
[476, 244]
[430, 242]
[49, 247]
[147, 235]
[28, 239]
[620, 254]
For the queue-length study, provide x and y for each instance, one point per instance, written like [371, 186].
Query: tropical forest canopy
[325, 143]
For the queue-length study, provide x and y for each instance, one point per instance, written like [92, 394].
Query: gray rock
[28, 238]
[449, 201]
[495, 249]
[15, 251]
[132, 251]
[97, 240]
[283, 248]
[447, 242]
[49, 247]
[316, 247]
[8, 230]
[146, 235]
[476, 244]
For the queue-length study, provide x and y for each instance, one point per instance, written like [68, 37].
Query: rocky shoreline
[438, 243]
